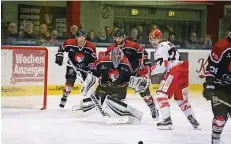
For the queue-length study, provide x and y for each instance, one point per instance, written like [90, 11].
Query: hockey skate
[85, 108]
[155, 114]
[63, 102]
[166, 124]
[216, 139]
[194, 122]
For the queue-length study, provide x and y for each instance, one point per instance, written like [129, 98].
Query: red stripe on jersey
[165, 63]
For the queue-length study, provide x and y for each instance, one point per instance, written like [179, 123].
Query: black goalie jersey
[219, 64]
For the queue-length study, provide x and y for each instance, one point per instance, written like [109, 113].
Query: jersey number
[172, 52]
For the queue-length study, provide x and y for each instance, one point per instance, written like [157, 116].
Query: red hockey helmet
[155, 36]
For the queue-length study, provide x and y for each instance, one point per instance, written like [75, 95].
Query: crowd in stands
[102, 35]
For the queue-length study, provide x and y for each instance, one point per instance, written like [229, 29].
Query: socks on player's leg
[66, 92]
[151, 104]
[165, 112]
[187, 110]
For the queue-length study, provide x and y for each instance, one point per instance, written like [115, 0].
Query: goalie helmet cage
[24, 76]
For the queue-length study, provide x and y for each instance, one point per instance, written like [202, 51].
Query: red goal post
[24, 71]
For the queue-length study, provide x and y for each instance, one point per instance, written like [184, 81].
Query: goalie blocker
[114, 72]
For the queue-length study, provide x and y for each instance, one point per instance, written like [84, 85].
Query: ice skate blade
[167, 127]
[197, 128]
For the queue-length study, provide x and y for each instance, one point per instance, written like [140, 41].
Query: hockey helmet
[155, 34]
[119, 33]
[154, 37]
[116, 55]
[80, 33]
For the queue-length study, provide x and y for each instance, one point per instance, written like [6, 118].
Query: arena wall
[56, 74]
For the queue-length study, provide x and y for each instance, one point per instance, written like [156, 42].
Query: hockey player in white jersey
[175, 81]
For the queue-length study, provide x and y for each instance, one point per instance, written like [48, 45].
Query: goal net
[24, 77]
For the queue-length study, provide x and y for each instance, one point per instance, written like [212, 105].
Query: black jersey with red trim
[103, 68]
[219, 64]
[77, 54]
[132, 50]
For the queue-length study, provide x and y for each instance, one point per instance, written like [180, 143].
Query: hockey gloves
[59, 58]
[139, 84]
[80, 65]
[208, 91]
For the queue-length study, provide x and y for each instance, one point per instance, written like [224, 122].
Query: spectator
[225, 34]
[28, 32]
[133, 35]
[207, 41]
[91, 36]
[108, 33]
[101, 36]
[107, 30]
[193, 39]
[154, 27]
[54, 37]
[140, 30]
[44, 34]
[172, 39]
[142, 37]
[73, 30]
[170, 29]
[12, 31]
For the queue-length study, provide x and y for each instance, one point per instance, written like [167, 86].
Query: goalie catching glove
[140, 84]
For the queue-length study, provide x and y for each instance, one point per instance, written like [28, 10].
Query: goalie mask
[116, 56]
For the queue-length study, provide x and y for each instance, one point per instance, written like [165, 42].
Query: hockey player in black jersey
[140, 63]
[114, 76]
[218, 85]
[81, 52]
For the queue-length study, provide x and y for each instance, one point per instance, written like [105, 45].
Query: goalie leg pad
[89, 84]
[116, 109]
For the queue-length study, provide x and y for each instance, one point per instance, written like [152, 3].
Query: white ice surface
[52, 126]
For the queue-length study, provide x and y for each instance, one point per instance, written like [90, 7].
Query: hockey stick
[77, 70]
[221, 101]
[70, 64]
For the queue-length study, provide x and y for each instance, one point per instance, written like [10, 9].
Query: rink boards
[56, 74]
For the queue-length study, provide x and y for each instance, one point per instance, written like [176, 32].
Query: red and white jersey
[166, 57]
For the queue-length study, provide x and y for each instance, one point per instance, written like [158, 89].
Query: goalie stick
[106, 117]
